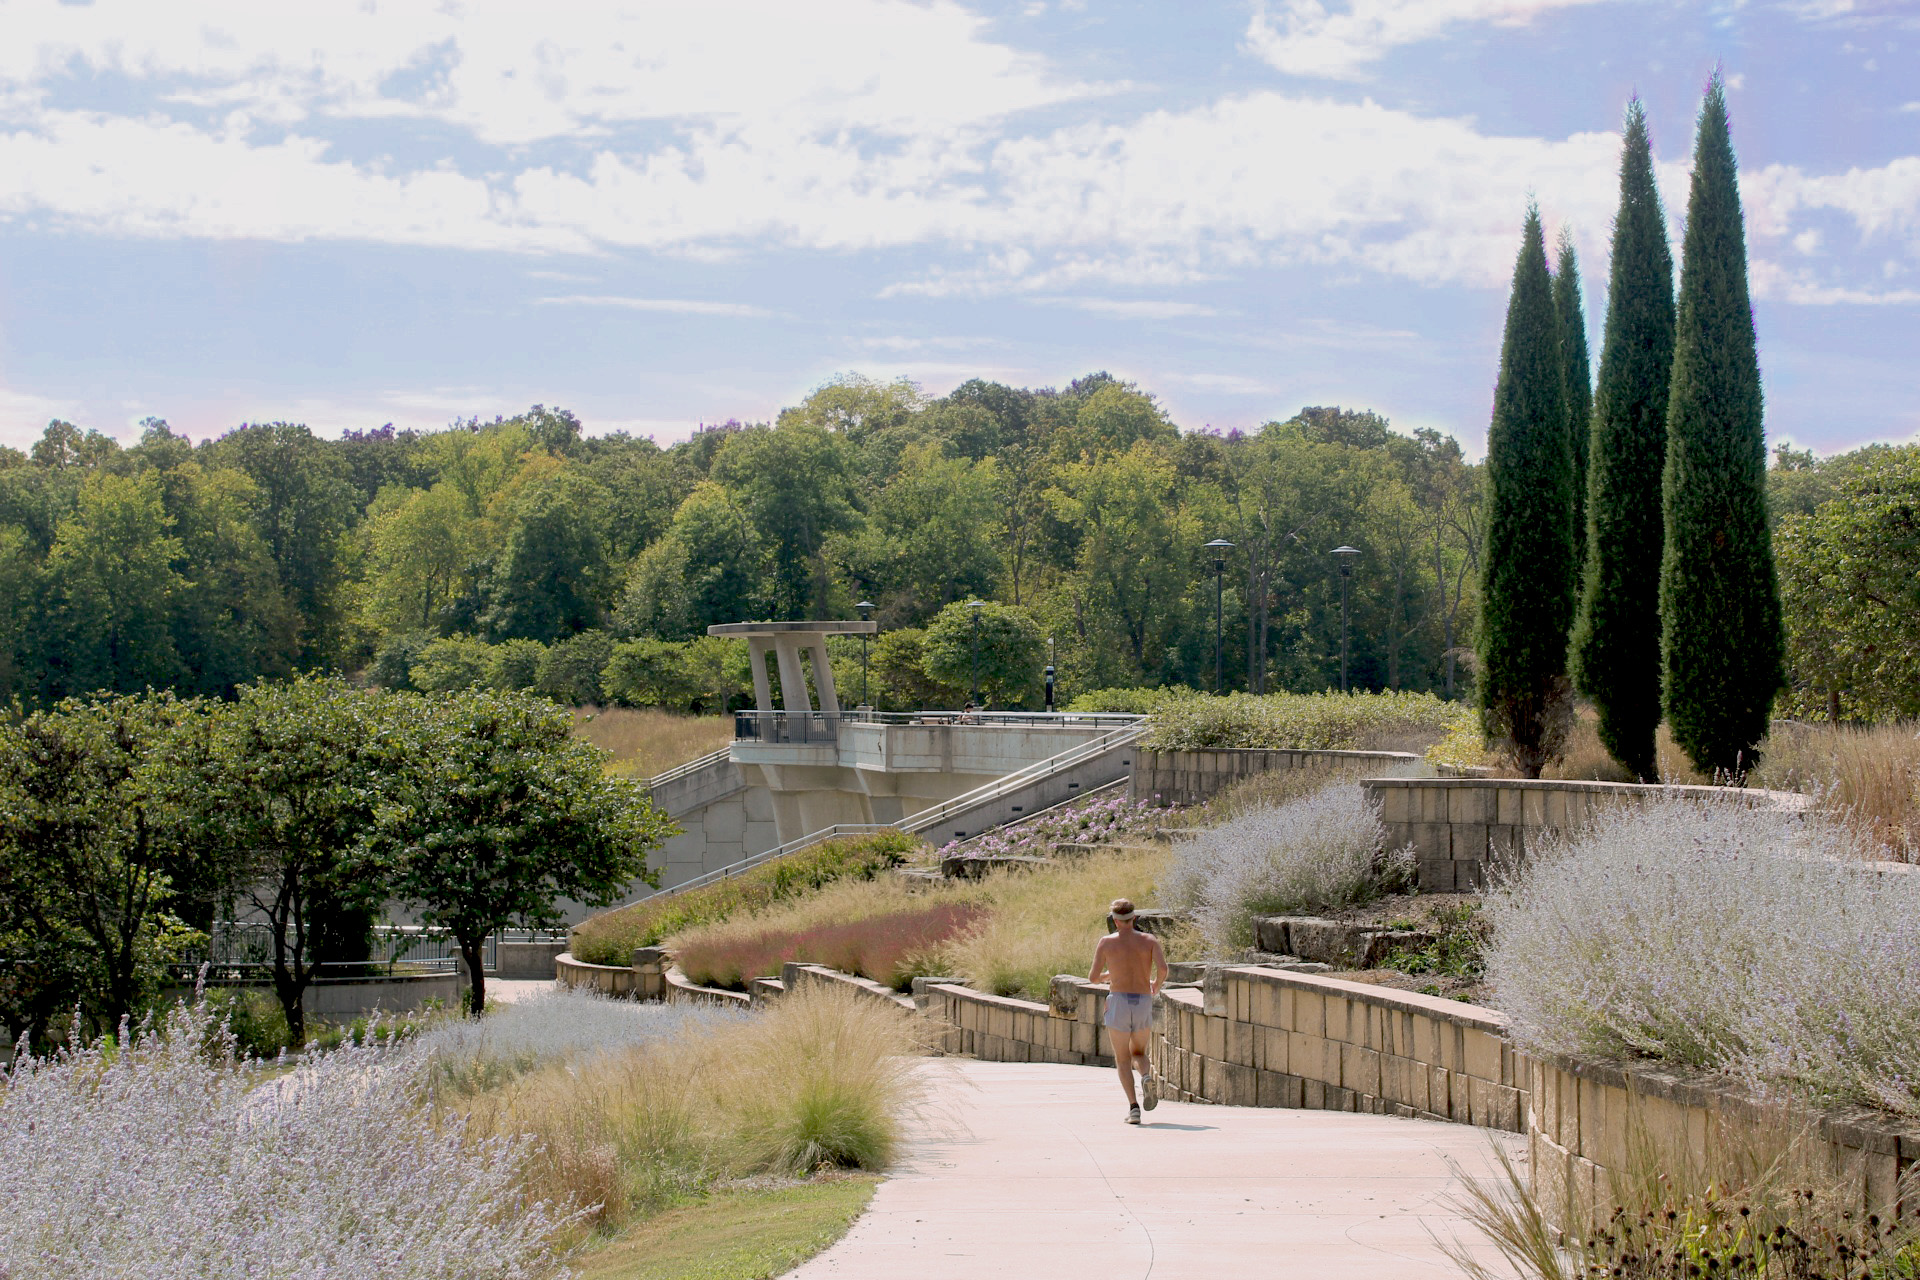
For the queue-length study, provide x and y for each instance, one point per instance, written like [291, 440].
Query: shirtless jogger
[1136, 967]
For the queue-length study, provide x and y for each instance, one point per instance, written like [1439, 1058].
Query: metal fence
[824, 726]
[242, 950]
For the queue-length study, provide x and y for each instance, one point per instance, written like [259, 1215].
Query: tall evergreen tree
[1571, 309]
[1616, 644]
[1721, 633]
[1527, 582]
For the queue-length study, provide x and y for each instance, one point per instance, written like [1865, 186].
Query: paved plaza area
[1016, 1171]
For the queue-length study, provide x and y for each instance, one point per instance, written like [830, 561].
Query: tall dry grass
[876, 927]
[1868, 775]
[820, 1079]
[646, 741]
[1046, 921]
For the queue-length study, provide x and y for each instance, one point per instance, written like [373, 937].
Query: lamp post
[1346, 555]
[1219, 547]
[866, 615]
[1049, 675]
[975, 606]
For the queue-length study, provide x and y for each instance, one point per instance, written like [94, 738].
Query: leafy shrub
[1136, 701]
[453, 663]
[1301, 721]
[152, 1157]
[514, 665]
[650, 673]
[611, 937]
[1317, 852]
[1739, 940]
[887, 946]
[253, 1017]
[570, 669]
[392, 666]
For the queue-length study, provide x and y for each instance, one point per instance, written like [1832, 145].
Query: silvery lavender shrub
[1746, 941]
[156, 1158]
[1320, 851]
[472, 1053]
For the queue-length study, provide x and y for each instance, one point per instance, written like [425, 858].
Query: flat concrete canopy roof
[826, 626]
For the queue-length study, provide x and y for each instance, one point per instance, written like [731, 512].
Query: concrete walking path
[1014, 1170]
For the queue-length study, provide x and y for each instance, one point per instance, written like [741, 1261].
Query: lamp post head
[1220, 544]
[866, 609]
[976, 604]
[1346, 555]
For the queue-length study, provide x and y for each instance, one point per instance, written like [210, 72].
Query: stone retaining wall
[1264, 1037]
[1457, 826]
[1191, 777]
[1003, 1029]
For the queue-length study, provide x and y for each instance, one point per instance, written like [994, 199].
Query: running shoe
[1149, 1091]
[1133, 1115]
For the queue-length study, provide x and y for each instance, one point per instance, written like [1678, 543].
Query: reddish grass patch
[877, 947]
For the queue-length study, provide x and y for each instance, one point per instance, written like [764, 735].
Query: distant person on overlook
[1135, 966]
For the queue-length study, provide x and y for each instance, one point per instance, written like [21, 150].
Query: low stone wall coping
[1008, 1002]
[1478, 1017]
[1786, 799]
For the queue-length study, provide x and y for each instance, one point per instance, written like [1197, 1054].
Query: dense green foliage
[1850, 582]
[1616, 643]
[1300, 721]
[1722, 637]
[474, 557]
[610, 938]
[1527, 581]
[129, 824]
[1571, 310]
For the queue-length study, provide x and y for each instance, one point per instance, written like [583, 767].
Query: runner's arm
[1158, 978]
[1099, 961]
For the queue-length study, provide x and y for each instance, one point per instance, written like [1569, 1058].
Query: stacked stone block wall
[1193, 777]
[1003, 1029]
[1260, 1037]
[1460, 827]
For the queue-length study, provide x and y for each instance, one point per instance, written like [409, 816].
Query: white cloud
[1134, 309]
[681, 306]
[1223, 383]
[514, 73]
[25, 415]
[1309, 38]
[1778, 283]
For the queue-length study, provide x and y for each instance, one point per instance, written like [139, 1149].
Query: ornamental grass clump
[1742, 940]
[155, 1156]
[471, 1054]
[1314, 853]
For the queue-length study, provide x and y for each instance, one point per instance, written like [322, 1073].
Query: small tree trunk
[471, 953]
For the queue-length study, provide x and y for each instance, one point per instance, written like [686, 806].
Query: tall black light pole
[1346, 555]
[866, 615]
[1219, 547]
[976, 606]
[1049, 675]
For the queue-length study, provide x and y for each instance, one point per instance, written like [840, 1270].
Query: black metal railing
[824, 726]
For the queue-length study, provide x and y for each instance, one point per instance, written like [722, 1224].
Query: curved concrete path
[1014, 1171]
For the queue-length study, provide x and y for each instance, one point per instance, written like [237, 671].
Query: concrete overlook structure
[800, 765]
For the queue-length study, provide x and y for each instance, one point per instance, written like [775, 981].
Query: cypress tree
[1616, 644]
[1526, 585]
[1568, 304]
[1721, 634]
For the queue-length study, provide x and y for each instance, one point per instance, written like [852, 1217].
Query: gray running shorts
[1130, 1012]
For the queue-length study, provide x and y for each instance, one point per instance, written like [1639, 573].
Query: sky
[354, 212]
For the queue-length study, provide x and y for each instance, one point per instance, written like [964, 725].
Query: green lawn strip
[741, 1234]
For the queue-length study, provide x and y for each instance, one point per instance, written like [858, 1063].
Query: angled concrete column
[757, 647]
[793, 677]
[823, 675]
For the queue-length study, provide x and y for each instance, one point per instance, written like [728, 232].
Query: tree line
[523, 553]
[1630, 549]
[130, 824]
